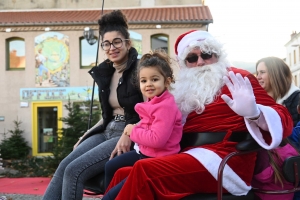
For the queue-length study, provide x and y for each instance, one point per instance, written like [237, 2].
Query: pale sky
[253, 29]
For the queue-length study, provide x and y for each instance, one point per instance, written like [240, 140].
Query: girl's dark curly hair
[158, 59]
[113, 21]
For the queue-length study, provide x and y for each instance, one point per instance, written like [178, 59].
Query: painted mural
[52, 60]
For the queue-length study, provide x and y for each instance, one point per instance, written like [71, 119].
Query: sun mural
[52, 60]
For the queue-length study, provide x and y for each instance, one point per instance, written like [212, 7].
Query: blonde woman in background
[275, 76]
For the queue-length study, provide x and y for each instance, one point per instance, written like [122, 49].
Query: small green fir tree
[15, 146]
[75, 125]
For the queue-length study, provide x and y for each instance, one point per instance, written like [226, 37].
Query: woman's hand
[97, 128]
[122, 146]
[75, 145]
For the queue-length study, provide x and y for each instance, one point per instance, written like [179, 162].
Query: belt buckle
[119, 118]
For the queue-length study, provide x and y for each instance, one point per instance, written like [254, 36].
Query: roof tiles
[191, 14]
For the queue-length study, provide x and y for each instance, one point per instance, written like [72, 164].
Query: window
[160, 41]
[87, 53]
[295, 60]
[136, 42]
[15, 54]
[296, 80]
[290, 59]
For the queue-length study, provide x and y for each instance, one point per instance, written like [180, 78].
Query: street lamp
[88, 34]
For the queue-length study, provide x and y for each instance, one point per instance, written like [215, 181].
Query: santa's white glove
[243, 100]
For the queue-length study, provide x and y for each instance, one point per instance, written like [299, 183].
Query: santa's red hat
[179, 39]
[189, 39]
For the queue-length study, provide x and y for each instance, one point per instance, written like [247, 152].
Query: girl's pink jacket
[266, 178]
[160, 130]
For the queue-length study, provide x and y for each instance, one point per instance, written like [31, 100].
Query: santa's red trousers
[170, 177]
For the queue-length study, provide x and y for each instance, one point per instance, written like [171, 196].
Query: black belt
[119, 118]
[198, 139]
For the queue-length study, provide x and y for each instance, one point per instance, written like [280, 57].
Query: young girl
[160, 130]
[268, 172]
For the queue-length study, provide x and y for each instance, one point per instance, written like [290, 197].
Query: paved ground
[30, 197]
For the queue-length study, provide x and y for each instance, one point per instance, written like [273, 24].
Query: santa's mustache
[198, 86]
[199, 71]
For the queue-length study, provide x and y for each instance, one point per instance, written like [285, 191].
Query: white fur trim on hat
[202, 39]
[190, 39]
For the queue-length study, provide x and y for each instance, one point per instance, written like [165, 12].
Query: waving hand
[243, 100]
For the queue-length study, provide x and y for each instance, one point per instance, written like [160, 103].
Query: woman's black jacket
[291, 104]
[127, 93]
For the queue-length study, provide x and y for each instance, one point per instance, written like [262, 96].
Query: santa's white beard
[198, 86]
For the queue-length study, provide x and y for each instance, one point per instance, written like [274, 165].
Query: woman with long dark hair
[117, 96]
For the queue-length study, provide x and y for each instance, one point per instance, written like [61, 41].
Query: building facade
[293, 56]
[54, 31]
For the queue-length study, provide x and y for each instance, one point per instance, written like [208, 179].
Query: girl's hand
[122, 146]
[128, 129]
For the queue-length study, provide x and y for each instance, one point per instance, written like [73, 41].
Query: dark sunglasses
[192, 58]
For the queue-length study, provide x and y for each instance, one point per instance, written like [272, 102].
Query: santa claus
[213, 97]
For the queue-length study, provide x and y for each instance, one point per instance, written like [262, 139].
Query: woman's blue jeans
[85, 162]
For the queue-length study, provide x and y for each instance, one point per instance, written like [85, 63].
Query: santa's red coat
[176, 176]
